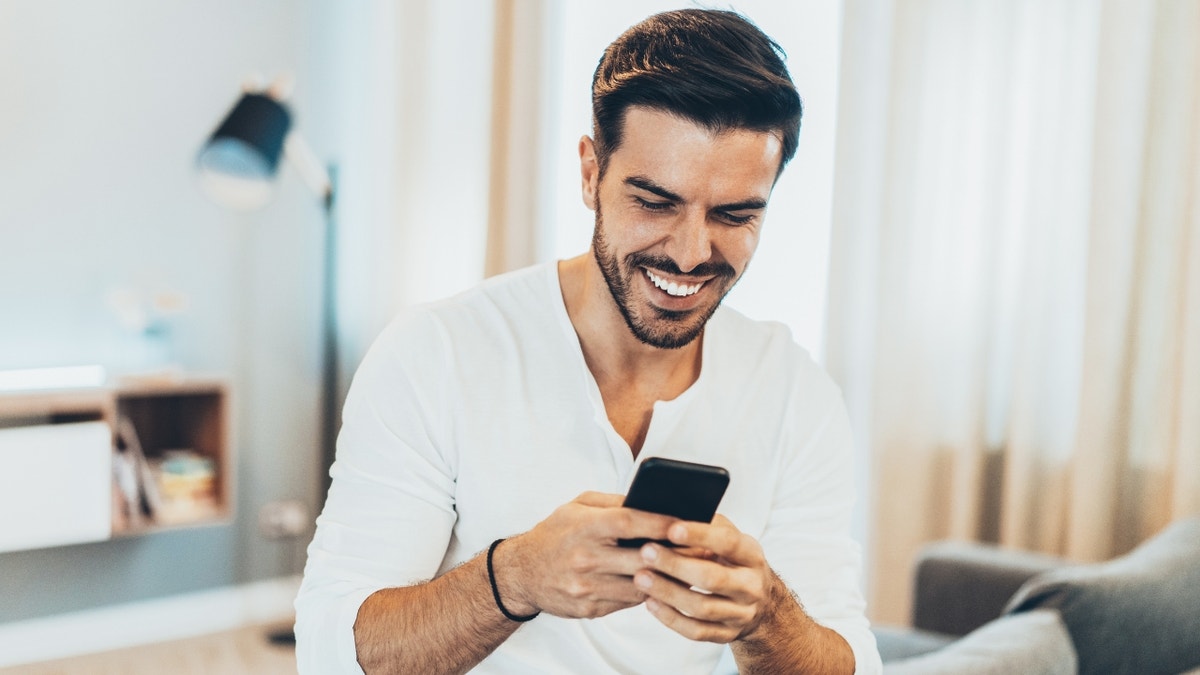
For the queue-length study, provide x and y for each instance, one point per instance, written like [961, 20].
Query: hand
[720, 559]
[569, 564]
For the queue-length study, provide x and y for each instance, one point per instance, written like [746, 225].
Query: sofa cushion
[1029, 643]
[897, 643]
[1139, 613]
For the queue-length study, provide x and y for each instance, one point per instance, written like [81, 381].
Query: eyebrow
[744, 205]
[643, 183]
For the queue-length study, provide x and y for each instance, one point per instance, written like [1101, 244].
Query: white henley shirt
[475, 417]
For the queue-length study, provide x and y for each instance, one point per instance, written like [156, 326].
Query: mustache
[665, 264]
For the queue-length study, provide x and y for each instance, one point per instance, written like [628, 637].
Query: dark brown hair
[712, 67]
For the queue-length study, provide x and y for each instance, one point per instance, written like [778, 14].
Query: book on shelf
[134, 478]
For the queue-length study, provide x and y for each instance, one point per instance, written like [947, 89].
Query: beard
[654, 326]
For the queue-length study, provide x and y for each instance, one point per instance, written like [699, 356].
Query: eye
[734, 219]
[654, 206]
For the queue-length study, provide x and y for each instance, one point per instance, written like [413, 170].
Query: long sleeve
[390, 510]
[807, 538]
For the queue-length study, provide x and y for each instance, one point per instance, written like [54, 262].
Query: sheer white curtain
[442, 142]
[1015, 272]
[414, 156]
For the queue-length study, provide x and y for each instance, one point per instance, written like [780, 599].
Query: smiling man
[487, 440]
[676, 179]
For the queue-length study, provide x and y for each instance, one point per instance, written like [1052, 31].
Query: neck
[614, 355]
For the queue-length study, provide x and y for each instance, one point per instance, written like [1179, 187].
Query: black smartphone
[686, 490]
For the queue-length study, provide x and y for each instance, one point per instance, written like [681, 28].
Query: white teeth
[672, 288]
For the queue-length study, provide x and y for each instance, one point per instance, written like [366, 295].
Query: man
[487, 439]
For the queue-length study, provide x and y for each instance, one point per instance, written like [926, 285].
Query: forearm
[447, 625]
[788, 640]
[566, 566]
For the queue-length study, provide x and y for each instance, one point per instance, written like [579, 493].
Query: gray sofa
[980, 609]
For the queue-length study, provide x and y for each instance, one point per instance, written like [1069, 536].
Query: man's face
[678, 215]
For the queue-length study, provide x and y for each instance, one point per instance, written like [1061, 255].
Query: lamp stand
[329, 370]
[329, 338]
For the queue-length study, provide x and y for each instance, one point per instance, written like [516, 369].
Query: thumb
[600, 499]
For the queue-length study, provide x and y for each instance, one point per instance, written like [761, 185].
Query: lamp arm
[311, 169]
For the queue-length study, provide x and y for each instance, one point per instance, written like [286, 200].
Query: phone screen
[686, 490]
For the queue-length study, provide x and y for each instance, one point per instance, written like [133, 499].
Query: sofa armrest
[1139, 613]
[960, 586]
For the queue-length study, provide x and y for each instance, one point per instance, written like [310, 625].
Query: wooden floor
[245, 651]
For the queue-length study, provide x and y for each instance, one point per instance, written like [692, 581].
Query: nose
[690, 243]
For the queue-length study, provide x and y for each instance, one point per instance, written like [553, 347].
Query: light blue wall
[102, 108]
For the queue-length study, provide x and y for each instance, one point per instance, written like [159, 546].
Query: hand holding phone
[685, 490]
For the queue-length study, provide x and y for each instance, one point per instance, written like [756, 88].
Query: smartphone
[686, 490]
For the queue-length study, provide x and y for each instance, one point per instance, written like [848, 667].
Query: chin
[668, 329]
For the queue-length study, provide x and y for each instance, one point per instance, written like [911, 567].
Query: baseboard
[138, 623]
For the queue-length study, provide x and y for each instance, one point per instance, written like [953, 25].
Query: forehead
[685, 156]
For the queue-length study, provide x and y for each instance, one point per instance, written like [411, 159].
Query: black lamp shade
[240, 159]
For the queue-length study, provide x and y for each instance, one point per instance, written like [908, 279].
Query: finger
[590, 551]
[720, 537]
[617, 588]
[606, 559]
[695, 552]
[590, 609]
[625, 523]
[604, 608]
[594, 595]
[693, 629]
[740, 584]
[692, 603]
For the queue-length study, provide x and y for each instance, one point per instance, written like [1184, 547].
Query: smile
[672, 288]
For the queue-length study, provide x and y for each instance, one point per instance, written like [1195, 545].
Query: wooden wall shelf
[181, 426]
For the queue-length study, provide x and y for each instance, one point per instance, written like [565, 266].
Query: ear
[589, 172]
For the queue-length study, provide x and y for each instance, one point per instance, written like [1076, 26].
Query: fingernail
[649, 554]
[677, 533]
[642, 581]
[652, 604]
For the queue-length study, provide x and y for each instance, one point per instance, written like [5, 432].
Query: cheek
[737, 246]
[638, 228]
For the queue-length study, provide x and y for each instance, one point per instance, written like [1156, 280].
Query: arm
[390, 511]
[746, 603]
[446, 625]
[375, 584]
[789, 640]
[568, 565]
[805, 612]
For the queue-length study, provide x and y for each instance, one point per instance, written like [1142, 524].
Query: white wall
[104, 106]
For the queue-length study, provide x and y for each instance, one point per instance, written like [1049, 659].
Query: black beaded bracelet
[496, 590]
